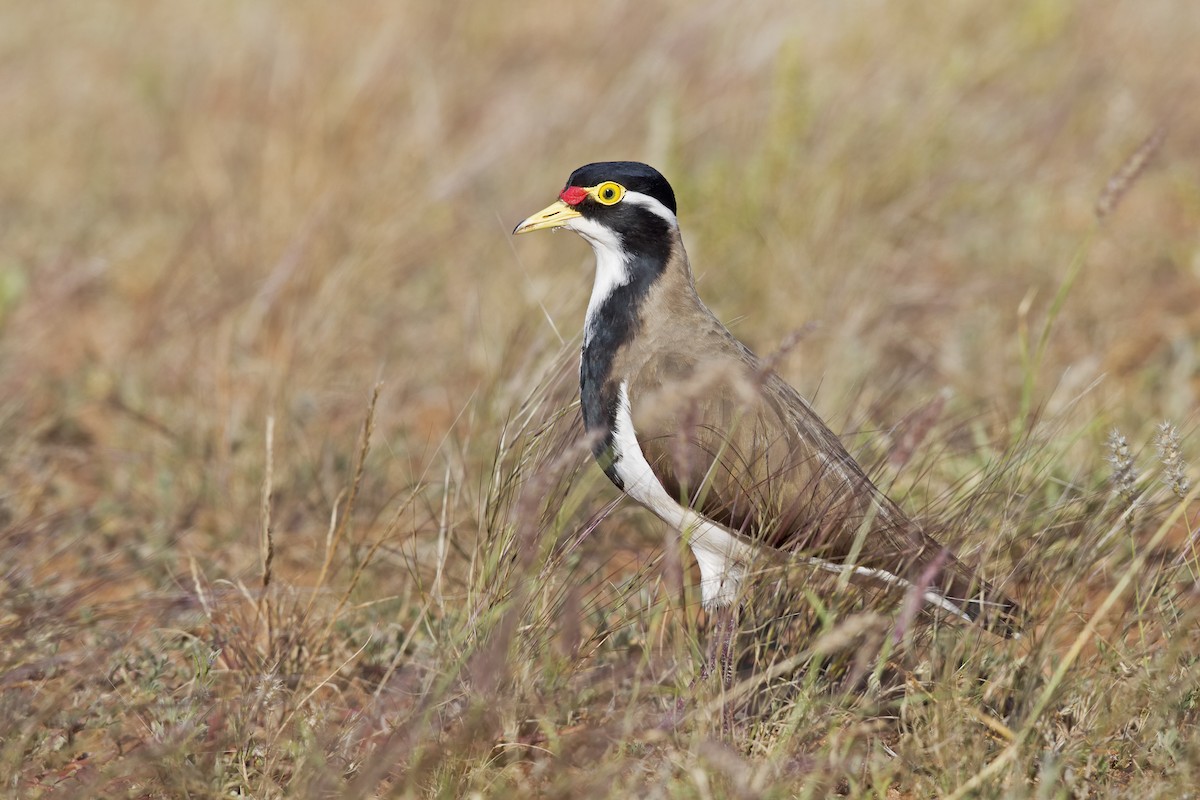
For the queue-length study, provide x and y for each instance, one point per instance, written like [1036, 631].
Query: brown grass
[229, 568]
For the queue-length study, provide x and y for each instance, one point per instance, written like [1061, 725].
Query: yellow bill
[554, 215]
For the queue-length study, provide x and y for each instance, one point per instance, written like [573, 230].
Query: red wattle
[573, 195]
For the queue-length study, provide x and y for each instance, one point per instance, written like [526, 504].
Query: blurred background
[219, 212]
[215, 213]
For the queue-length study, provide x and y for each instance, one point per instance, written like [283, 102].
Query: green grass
[294, 501]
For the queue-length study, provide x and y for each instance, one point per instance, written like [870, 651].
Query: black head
[633, 175]
[624, 205]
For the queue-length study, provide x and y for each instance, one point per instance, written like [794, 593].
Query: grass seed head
[1124, 469]
[1174, 468]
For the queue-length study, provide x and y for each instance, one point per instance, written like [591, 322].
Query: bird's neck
[624, 281]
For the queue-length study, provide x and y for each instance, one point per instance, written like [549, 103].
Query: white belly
[723, 556]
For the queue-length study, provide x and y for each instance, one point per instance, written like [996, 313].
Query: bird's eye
[610, 193]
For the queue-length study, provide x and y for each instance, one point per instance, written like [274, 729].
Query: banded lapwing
[689, 422]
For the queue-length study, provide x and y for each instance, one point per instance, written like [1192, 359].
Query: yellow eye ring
[608, 193]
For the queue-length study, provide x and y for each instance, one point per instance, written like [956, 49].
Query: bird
[686, 420]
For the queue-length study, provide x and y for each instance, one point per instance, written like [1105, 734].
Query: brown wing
[743, 448]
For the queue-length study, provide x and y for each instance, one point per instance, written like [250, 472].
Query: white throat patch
[612, 269]
[612, 262]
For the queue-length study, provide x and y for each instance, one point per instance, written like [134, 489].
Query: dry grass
[227, 570]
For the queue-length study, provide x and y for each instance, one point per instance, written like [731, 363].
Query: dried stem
[1124, 178]
[338, 527]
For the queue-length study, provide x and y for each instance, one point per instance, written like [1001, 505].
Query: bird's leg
[720, 659]
[723, 656]
[720, 646]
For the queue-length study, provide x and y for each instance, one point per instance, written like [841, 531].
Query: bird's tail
[954, 587]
